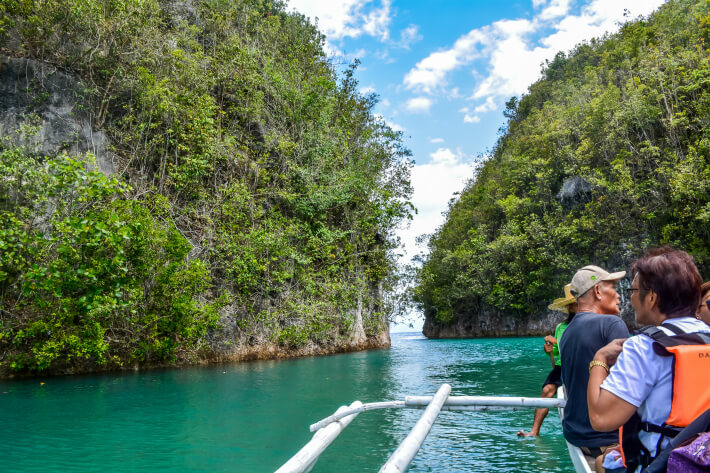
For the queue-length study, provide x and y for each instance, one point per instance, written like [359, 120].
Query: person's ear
[653, 298]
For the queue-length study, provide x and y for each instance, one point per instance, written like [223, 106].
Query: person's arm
[549, 343]
[607, 411]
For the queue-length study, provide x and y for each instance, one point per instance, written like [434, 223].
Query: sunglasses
[707, 303]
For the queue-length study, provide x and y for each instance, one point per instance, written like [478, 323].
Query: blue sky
[444, 69]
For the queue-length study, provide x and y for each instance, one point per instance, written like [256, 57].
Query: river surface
[252, 417]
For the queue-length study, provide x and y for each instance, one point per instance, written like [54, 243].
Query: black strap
[673, 329]
[665, 430]
[651, 331]
[635, 452]
[700, 424]
[663, 340]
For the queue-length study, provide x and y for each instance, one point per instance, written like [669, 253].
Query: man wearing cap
[595, 325]
[568, 305]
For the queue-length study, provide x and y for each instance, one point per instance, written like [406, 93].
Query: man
[595, 325]
[568, 305]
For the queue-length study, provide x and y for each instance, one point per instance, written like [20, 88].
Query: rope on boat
[403, 456]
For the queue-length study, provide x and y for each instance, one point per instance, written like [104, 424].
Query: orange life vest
[691, 391]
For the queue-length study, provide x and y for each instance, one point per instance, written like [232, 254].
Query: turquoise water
[252, 417]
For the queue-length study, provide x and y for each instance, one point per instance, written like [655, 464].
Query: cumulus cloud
[376, 22]
[511, 53]
[347, 18]
[430, 73]
[396, 126]
[419, 104]
[408, 36]
[471, 118]
[434, 185]
[488, 106]
[555, 9]
[390, 123]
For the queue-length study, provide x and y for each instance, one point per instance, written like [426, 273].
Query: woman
[641, 391]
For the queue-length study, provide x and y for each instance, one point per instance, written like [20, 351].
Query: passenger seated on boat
[568, 305]
[595, 325]
[703, 310]
[658, 379]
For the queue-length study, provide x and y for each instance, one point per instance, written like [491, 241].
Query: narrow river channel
[252, 417]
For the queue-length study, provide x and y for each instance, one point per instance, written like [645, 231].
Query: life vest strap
[634, 452]
[665, 430]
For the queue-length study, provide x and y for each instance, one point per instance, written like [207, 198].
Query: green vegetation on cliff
[256, 188]
[607, 154]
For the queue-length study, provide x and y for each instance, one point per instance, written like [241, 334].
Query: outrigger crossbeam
[326, 430]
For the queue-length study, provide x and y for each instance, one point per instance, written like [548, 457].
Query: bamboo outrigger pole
[306, 457]
[403, 456]
[330, 427]
[452, 403]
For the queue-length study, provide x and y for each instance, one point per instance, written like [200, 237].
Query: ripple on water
[252, 417]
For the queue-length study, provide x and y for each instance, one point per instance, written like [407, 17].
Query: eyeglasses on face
[630, 290]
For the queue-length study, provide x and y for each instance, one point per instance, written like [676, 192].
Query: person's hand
[609, 353]
[550, 339]
[548, 347]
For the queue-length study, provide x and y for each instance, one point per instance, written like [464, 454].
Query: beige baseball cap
[589, 276]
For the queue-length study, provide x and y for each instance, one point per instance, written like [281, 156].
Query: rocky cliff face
[491, 323]
[35, 94]
[45, 110]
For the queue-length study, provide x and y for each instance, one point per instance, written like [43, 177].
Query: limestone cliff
[240, 202]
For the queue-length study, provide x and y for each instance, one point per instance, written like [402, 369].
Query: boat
[575, 454]
[328, 429]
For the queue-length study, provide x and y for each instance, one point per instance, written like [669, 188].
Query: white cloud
[434, 185]
[488, 106]
[430, 73]
[419, 104]
[396, 126]
[367, 90]
[509, 53]
[390, 123]
[436, 140]
[347, 18]
[376, 22]
[555, 9]
[408, 36]
[471, 119]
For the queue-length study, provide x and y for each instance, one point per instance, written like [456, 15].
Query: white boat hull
[578, 459]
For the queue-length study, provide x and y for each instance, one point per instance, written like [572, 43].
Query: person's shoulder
[609, 320]
[688, 325]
